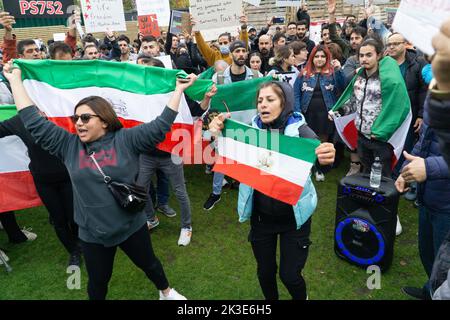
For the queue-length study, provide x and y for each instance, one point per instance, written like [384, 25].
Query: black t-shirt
[239, 77]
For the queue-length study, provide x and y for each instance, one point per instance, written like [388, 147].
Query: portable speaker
[365, 221]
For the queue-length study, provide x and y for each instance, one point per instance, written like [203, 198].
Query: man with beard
[265, 47]
[238, 71]
[302, 30]
[352, 64]
[125, 54]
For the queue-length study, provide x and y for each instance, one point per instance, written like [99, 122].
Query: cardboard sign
[210, 14]
[180, 22]
[103, 15]
[38, 9]
[148, 25]
[159, 7]
[419, 20]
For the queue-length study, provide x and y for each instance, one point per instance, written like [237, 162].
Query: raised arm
[145, 137]
[48, 135]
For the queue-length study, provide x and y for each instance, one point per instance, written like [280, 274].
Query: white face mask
[182, 41]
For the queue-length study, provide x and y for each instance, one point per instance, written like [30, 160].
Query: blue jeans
[217, 183]
[160, 196]
[433, 228]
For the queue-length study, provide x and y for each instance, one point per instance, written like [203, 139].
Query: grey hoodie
[99, 217]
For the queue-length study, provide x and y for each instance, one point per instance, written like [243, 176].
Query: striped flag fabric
[17, 185]
[137, 93]
[272, 163]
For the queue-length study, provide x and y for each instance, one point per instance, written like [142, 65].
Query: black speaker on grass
[365, 221]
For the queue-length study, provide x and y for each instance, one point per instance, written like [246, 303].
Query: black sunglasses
[85, 117]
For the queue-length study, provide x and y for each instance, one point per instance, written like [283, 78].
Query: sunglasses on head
[85, 117]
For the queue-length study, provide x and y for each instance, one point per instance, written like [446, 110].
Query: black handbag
[130, 197]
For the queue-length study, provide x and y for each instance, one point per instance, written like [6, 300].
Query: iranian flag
[17, 186]
[137, 93]
[393, 122]
[272, 163]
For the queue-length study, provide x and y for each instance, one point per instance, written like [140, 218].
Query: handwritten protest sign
[419, 20]
[211, 14]
[103, 15]
[148, 25]
[255, 3]
[180, 22]
[160, 7]
[288, 3]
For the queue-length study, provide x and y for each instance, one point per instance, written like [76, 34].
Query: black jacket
[43, 166]
[417, 88]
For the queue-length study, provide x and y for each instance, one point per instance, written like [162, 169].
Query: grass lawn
[218, 264]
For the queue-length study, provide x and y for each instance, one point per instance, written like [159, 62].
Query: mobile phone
[278, 20]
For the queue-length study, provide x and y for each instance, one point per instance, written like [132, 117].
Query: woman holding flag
[271, 218]
[102, 144]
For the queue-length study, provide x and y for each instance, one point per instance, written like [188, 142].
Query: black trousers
[100, 260]
[12, 229]
[369, 149]
[294, 248]
[58, 199]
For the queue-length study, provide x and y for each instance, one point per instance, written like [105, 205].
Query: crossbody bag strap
[106, 178]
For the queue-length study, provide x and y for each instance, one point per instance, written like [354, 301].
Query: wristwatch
[438, 94]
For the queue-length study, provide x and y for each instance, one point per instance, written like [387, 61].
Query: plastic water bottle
[375, 174]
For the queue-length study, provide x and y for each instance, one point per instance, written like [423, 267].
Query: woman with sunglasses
[103, 224]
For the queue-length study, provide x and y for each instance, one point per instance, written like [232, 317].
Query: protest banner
[180, 22]
[38, 9]
[210, 14]
[103, 15]
[419, 20]
[160, 7]
[148, 25]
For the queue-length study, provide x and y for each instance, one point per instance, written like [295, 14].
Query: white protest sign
[59, 36]
[289, 3]
[419, 20]
[210, 14]
[166, 60]
[365, 2]
[255, 3]
[160, 7]
[103, 15]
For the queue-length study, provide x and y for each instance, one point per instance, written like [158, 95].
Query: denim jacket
[307, 203]
[330, 85]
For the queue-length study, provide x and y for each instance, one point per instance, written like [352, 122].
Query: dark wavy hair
[103, 109]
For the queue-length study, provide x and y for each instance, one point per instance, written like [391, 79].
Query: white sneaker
[4, 256]
[398, 229]
[30, 235]
[173, 295]
[354, 169]
[224, 182]
[185, 236]
[320, 176]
